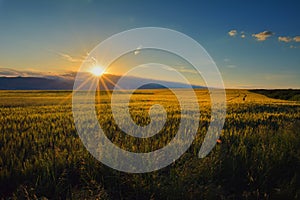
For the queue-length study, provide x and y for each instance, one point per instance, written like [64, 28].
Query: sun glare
[97, 71]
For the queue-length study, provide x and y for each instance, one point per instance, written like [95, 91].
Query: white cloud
[262, 36]
[296, 38]
[243, 35]
[232, 33]
[284, 39]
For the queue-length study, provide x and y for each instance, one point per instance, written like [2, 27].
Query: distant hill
[131, 82]
[59, 83]
[34, 83]
[284, 94]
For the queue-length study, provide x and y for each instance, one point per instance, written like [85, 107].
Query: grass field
[41, 155]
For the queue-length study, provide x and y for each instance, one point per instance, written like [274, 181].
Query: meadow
[42, 156]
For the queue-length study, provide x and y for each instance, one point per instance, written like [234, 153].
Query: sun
[97, 71]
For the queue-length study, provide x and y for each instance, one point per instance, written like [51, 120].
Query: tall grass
[41, 155]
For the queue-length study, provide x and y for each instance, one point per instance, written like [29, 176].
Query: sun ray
[65, 99]
[115, 84]
[105, 87]
[98, 100]
[94, 81]
[77, 89]
[83, 83]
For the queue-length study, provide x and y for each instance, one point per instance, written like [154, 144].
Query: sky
[255, 44]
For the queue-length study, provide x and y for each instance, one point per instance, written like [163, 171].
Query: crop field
[42, 156]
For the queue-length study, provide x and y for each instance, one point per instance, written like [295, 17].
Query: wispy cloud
[293, 47]
[262, 36]
[8, 72]
[232, 33]
[77, 59]
[276, 77]
[296, 38]
[228, 63]
[71, 58]
[186, 70]
[284, 39]
[177, 68]
[231, 66]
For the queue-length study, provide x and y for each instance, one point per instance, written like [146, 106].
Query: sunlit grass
[41, 154]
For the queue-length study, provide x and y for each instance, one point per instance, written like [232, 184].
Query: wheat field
[42, 156]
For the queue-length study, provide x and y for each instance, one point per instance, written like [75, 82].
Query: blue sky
[253, 43]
